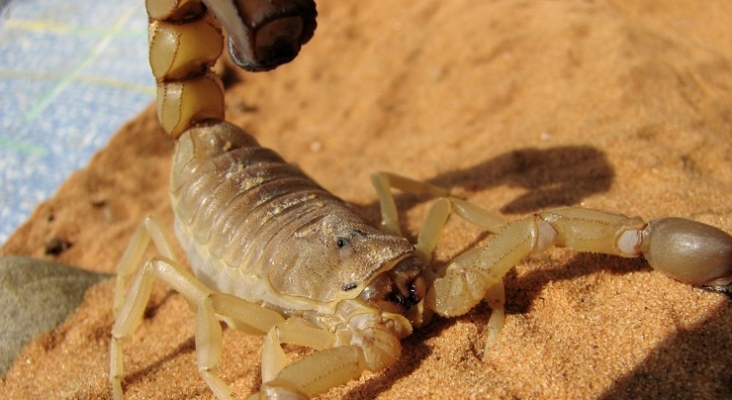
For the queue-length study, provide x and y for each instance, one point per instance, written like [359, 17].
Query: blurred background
[71, 73]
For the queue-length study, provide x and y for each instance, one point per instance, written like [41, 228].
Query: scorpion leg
[328, 367]
[293, 331]
[384, 181]
[148, 229]
[339, 357]
[493, 294]
[686, 250]
[314, 374]
[210, 308]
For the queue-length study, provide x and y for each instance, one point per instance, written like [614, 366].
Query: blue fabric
[71, 73]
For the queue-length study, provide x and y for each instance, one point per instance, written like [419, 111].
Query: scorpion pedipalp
[689, 251]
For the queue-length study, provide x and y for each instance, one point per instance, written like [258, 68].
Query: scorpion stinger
[273, 253]
[264, 34]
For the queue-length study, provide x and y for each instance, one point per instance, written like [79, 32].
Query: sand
[516, 105]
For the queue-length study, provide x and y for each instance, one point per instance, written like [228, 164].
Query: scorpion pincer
[273, 253]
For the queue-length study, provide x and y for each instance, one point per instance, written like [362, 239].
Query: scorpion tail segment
[184, 43]
[264, 34]
[182, 104]
[689, 251]
[173, 10]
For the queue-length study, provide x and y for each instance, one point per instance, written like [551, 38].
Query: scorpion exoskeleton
[274, 254]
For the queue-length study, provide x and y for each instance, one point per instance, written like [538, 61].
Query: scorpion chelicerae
[274, 254]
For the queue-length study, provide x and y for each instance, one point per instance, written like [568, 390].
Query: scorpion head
[383, 266]
[264, 34]
[337, 256]
[388, 273]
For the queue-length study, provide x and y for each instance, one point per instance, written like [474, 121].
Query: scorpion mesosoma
[275, 254]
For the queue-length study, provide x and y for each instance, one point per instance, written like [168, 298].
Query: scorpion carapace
[275, 254]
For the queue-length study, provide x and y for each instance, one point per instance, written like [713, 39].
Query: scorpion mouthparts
[410, 286]
[398, 289]
[412, 296]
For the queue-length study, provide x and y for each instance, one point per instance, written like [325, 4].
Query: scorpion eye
[341, 242]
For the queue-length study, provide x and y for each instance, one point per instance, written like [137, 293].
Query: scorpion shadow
[706, 348]
[554, 177]
[563, 176]
[691, 363]
[558, 176]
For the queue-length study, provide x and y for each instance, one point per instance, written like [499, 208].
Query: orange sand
[517, 105]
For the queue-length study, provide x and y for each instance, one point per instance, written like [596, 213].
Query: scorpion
[274, 254]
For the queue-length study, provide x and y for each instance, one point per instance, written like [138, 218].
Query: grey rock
[36, 296]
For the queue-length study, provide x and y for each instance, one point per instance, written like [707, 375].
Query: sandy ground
[516, 105]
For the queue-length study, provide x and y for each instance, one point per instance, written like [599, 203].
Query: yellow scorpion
[274, 254]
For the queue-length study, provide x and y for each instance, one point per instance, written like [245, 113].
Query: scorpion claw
[689, 251]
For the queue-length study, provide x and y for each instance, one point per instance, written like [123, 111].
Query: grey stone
[36, 296]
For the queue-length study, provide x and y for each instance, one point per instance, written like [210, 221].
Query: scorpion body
[246, 217]
[274, 254]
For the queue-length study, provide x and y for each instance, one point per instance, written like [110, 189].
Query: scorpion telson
[264, 34]
[275, 254]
